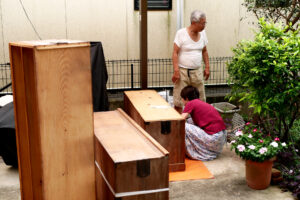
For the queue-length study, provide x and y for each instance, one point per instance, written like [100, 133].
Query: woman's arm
[185, 115]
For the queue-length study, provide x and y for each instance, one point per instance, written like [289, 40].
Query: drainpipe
[179, 14]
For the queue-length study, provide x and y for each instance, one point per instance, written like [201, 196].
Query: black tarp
[8, 148]
[99, 78]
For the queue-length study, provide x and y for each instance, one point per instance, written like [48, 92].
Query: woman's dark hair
[189, 92]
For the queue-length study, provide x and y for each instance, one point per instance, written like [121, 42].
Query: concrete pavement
[229, 183]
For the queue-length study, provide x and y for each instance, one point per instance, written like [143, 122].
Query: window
[155, 4]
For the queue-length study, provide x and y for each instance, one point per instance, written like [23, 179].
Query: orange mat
[194, 169]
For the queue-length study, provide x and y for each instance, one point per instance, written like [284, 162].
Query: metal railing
[125, 74]
[5, 78]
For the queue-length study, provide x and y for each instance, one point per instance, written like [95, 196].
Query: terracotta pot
[258, 174]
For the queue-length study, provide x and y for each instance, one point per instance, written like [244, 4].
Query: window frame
[150, 7]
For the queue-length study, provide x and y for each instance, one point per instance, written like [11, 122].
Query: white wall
[224, 27]
[116, 25]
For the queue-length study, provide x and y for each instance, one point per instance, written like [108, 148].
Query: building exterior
[116, 24]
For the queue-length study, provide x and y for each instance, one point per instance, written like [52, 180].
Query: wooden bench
[130, 164]
[161, 121]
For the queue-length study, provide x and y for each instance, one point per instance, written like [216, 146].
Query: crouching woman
[205, 130]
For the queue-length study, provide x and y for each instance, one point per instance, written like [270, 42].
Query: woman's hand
[185, 115]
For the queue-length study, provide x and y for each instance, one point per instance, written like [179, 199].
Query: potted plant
[259, 151]
[264, 74]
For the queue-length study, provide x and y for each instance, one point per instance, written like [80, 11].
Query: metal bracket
[166, 127]
[143, 168]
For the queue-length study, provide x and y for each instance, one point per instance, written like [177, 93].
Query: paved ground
[228, 184]
[9, 182]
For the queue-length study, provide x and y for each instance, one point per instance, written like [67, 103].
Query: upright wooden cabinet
[161, 121]
[54, 119]
[131, 165]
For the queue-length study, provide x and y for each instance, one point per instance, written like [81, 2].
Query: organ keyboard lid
[123, 139]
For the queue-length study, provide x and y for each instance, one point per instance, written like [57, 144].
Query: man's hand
[206, 73]
[176, 76]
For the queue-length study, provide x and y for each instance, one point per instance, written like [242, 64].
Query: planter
[258, 174]
[228, 113]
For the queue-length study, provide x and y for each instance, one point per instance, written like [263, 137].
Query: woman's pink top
[205, 116]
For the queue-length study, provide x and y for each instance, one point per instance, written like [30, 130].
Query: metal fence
[125, 74]
[5, 78]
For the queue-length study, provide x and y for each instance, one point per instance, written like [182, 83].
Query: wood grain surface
[121, 139]
[104, 193]
[151, 106]
[54, 121]
[119, 147]
[174, 141]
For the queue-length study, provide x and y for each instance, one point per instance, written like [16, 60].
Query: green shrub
[295, 133]
[265, 73]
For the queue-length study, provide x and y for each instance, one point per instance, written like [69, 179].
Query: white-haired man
[189, 50]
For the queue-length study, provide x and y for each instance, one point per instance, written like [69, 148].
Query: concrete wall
[116, 25]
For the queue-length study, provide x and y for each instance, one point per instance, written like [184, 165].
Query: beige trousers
[192, 77]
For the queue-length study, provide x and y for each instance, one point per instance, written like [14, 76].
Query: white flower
[263, 150]
[251, 147]
[238, 133]
[250, 136]
[274, 144]
[233, 141]
[241, 148]
[283, 144]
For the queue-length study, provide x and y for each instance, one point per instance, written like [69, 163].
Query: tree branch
[256, 14]
[279, 14]
[262, 123]
[294, 116]
[296, 19]
[286, 129]
[293, 9]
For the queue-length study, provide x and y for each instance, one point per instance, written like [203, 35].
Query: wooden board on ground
[54, 119]
[130, 164]
[161, 121]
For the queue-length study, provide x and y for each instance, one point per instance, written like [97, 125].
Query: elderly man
[189, 50]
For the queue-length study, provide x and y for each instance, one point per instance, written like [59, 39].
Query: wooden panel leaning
[131, 165]
[161, 121]
[54, 119]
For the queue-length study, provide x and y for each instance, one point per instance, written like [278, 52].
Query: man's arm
[206, 62]
[176, 75]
